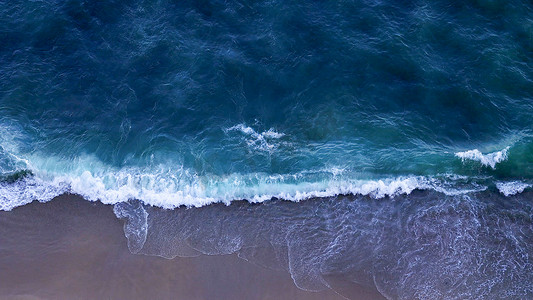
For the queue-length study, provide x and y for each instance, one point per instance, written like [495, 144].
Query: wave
[170, 188]
[34, 177]
[512, 187]
[490, 159]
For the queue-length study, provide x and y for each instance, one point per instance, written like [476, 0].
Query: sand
[75, 249]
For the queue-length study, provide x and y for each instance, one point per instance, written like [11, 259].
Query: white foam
[272, 134]
[27, 190]
[258, 140]
[154, 190]
[490, 159]
[173, 188]
[512, 187]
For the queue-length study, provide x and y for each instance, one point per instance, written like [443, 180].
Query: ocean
[387, 141]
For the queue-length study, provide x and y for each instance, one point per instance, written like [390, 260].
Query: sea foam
[490, 159]
[263, 141]
[155, 189]
[171, 188]
[512, 187]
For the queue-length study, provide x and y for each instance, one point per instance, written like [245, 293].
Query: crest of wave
[490, 159]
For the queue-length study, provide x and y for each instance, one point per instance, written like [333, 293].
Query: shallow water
[422, 246]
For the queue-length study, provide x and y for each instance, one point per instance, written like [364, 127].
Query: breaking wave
[490, 159]
[512, 187]
[174, 188]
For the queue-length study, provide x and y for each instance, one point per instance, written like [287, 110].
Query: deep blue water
[193, 102]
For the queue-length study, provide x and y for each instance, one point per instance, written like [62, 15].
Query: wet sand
[71, 248]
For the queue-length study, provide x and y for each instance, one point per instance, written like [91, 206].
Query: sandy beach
[71, 248]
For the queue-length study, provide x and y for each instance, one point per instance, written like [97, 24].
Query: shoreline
[72, 248]
[424, 245]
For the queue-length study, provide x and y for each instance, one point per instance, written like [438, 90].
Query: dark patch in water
[16, 176]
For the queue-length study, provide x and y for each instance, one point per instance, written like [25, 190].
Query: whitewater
[42, 179]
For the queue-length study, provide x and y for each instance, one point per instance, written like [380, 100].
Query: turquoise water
[194, 102]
